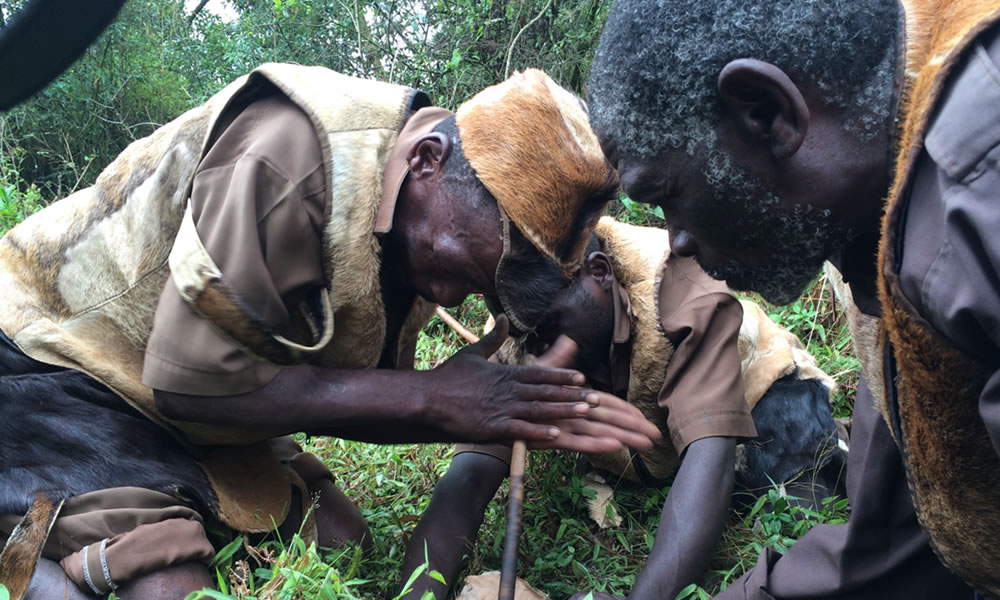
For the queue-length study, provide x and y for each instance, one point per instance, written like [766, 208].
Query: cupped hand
[610, 424]
[477, 400]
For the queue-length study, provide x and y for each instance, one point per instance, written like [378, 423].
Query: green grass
[562, 551]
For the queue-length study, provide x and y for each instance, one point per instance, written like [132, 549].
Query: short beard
[804, 236]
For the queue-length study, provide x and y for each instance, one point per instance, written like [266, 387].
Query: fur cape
[768, 352]
[82, 277]
[952, 467]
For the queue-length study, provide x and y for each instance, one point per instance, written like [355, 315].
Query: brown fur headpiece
[530, 144]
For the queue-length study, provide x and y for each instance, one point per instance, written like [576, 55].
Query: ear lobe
[765, 104]
[428, 154]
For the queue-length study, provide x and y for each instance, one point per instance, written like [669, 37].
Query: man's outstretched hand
[474, 399]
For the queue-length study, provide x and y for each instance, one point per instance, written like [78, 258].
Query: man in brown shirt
[654, 328]
[277, 203]
[777, 136]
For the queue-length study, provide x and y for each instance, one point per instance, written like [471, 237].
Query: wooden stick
[508, 565]
[512, 538]
[458, 327]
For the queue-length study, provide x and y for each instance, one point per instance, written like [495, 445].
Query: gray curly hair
[653, 82]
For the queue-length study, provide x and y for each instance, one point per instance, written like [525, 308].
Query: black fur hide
[796, 437]
[64, 434]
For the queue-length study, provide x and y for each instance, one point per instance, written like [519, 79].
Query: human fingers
[612, 410]
[596, 429]
[541, 375]
[546, 395]
[518, 429]
[549, 403]
[561, 354]
[574, 442]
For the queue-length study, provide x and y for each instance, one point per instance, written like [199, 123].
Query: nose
[682, 243]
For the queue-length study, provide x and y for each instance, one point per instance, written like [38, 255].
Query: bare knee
[167, 584]
[338, 521]
[50, 581]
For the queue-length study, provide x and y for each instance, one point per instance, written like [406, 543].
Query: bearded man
[776, 136]
[262, 266]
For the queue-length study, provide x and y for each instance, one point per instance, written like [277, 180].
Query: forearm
[449, 526]
[465, 399]
[368, 405]
[692, 520]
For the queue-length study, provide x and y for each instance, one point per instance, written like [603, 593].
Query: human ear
[428, 154]
[765, 104]
[599, 267]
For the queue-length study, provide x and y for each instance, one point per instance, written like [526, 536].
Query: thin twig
[458, 327]
[510, 50]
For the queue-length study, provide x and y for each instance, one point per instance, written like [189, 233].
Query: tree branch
[510, 50]
[195, 12]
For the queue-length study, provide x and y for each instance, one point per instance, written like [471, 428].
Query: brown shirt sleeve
[703, 387]
[258, 201]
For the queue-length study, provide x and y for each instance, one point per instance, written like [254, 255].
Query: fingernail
[582, 408]
[553, 432]
[579, 379]
[593, 399]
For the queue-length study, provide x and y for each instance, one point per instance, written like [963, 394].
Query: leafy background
[161, 57]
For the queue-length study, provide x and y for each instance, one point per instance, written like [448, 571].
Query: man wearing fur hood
[262, 266]
[779, 135]
[709, 370]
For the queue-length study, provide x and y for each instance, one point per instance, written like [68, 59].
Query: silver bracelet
[86, 571]
[104, 565]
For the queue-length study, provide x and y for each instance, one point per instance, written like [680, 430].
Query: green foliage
[693, 592]
[17, 198]
[155, 61]
[292, 572]
[627, 210]
[438, 341]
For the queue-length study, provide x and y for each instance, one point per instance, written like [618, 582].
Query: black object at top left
[44, 38]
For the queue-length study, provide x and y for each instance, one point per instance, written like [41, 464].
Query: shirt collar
[420, 123]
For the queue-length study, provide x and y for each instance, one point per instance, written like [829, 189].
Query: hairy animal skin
[65, 434]
[796, 435]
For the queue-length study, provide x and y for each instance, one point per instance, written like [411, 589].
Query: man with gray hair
[779, 135]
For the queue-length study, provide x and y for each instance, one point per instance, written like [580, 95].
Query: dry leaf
[601, 510]
[487, 585]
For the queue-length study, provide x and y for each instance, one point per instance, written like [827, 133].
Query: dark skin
[50, 581]
[693, 516]
[785, 134]
[442, 248]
